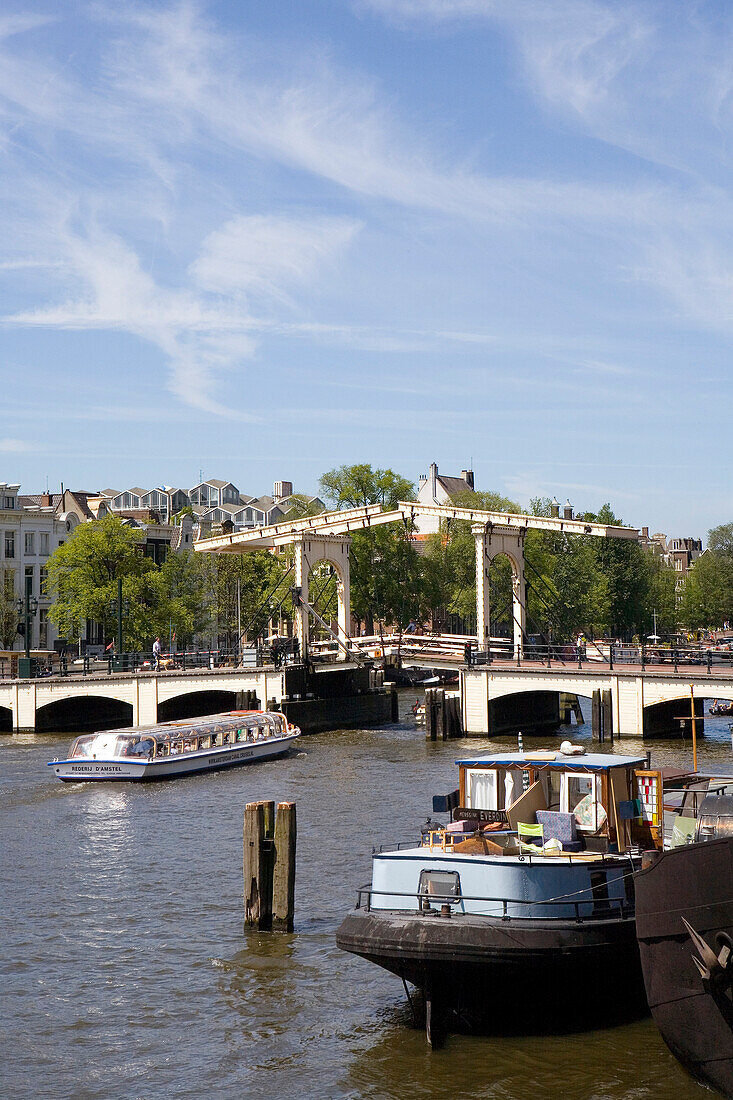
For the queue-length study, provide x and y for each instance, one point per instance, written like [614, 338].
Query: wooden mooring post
[269, 865]
[442, 715]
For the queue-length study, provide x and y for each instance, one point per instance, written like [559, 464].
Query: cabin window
[579, 796]
[438, 886]
[481, 789]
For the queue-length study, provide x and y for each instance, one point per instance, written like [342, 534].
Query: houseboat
[684, 925]
[172, 749]
[520, 911]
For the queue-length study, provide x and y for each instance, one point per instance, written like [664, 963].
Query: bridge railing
[185, 660]
[590, 655]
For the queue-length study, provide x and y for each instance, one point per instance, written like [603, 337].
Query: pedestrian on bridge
[156, 654]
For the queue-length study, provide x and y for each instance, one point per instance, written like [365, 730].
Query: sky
[258, 240]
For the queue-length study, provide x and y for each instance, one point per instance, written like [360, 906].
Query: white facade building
[29, 535]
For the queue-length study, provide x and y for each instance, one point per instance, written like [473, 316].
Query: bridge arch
[192, 704]
[311, 551]
[79, 713]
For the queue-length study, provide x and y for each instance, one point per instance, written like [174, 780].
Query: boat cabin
[189, 735]
[556, 803]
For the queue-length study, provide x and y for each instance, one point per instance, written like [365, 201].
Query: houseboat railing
[601, 908]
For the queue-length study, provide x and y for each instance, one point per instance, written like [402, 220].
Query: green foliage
[385, 570]
[720, 539]
[82, 579]
[450, 558]
[354, 486]
[255, 575]
[8, 610]
[707, 596]
[300, 505]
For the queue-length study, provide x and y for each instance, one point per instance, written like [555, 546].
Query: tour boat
[520, 912]
[684, 925]
[173, 749]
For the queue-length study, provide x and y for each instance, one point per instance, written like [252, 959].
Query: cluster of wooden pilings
[248, 700]
[269, 866]
[442, 715]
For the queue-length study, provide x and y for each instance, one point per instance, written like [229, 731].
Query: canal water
[126, 972]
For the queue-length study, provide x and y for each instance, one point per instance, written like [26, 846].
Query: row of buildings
[171, 519]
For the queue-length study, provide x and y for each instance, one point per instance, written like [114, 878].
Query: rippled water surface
[126, 971]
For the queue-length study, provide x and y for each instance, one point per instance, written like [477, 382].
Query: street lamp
[27, 606]
[120, 606]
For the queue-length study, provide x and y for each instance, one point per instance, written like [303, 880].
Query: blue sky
[263, 239]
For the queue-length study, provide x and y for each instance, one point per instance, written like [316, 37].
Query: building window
[28, 577]
[43, 629]
[8, 579]
[9, 503]
[43, 539]
[43, 579]
[10, 544]
[30, 542]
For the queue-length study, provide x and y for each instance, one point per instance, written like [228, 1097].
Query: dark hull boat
[483, 973]
[684, 919]
[519, 914]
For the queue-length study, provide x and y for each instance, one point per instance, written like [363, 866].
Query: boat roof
[595, 760]
[207, 723]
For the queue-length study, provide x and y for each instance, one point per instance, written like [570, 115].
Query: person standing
[156, 654]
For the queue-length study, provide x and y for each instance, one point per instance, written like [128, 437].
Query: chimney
[555, 508]
[645, 532]
[282, 489]
[434, 480]
[467, 476]
[46, 500]
[567, 510]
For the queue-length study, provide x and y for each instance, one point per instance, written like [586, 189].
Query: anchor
[715, 971]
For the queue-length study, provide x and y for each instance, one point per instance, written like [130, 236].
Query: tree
[254, 576]
[8, 609]
[83, 574]
[720, 539]
[707, 595]
[300, 505]
[354, 486]
[450, 561]
[385, 573]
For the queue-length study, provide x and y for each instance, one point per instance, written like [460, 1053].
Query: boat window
[142, 746]
[83, 746]
[578, 795]
[481, 789]
[438, 886]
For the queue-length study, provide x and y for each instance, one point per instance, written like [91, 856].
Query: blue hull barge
[520, 911]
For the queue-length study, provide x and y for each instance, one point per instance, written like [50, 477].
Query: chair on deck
[683, 831]
[535, 837]
[560, 826]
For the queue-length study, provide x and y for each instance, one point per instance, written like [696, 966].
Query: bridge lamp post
[27, 606]
[120, 607]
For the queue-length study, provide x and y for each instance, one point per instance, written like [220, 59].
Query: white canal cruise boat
[172, 749]
[521, 909]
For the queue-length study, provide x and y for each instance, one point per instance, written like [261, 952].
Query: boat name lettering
[465, 813]
[96, 768]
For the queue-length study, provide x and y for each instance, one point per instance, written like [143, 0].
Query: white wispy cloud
[13, 446]
[262, 255]
[102, 167]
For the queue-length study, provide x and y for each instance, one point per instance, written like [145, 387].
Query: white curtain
[482, 790]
